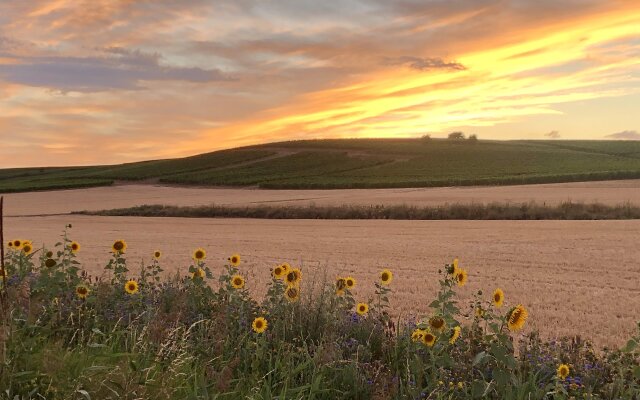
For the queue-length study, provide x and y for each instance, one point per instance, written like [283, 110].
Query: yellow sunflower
[234, 260]
[350, 282]
[199, 254]
[82, 291]
[285, 268]
[429, 338]
[157, 254]
[498, 297]
[17, 243]
[27, 248]
[517, 317]
[198, 273]
[119, 247]
[292, 293]
[75, 247]
[237, 282]
[386, 276]
[437, 323]
[417, 335]
[278, 272]
[362, 308]
[259, 325]
[294, 276]
[455, 268]
[10, 244]
[131, 287]
[563, 371]
[455, 334]
[341, 285]
[461, 277]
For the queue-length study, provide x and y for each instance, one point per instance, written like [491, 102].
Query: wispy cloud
[553, 135]
[626, 135]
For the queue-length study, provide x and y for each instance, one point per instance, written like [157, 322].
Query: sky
[110, 81]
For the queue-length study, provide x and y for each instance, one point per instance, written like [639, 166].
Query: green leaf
[477, 389]
[631, 346]
[636, 372]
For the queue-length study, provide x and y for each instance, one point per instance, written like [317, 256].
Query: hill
[359, 163]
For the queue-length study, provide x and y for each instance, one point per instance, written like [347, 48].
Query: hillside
[359, 163]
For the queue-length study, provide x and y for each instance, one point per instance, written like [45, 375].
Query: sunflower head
[237, 282]
[429, 339]
[455, 334]
[199, 254]
[437, 323]
[49, 254]
[498, 297]
[74, 246]
[50, 263]
[259, 325]
[362, 308]
[119, 247]
[17, 243]
[10, 244]
[27, 248]
[461, 277]
[157, 254]
[234, 260]
[350, 282]
[82, 291]
[386, 276]
[563, 371]
[292, 293]
[517, 317]
[452, 269]
[285, 268]
[293, 277]
[341, 285]
[278, 272]
[131, 287]
[417, 335]
[198, 273]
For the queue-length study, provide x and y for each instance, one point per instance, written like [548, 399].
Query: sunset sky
[110, 81]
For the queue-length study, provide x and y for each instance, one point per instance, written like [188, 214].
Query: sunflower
[279, 272]
[455, 334]
[17, 243]
[82, 291]
[341, 285]
[461, 277]
[386, 276]
[454, 267]
[563, 371]
[285, 268]
[50, 263]
[131, 287]
[517, 317]
[199, 254]
[294, 276]
[198, 273]
[75, 247]
[350, 282]
[429, 339]
[498, 297]
[237, 282]
[437, 323]
[417, 335]
[27, 248]
[119, 247]
[157, 254]
[292, 294]
[362, 308]
[259, 325]
[10, 244]
[234, 260]
[49, 254]
[479, 312]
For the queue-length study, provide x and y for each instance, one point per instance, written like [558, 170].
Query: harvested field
[576, 277]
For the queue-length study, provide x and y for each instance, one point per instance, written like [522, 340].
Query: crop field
[361, 163]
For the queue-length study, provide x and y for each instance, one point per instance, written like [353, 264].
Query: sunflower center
[258, 324]
[496, 297]
[132, 286]
[82, 290]
[238, 281]
[385, 276]
[118, 246]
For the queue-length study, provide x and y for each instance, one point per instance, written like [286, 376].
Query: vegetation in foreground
[479, 211]
[201, 335]
[361, 163]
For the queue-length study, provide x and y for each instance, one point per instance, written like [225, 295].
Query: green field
[360, 163]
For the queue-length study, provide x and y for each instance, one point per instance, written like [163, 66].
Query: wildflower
[131, 287]
[498, 297]
[259, 325]
[50, 263]
[157, 254]
[479, 312]
[386, 276]
[429, 338]
[82, 291]
[437, 323]
[293, 277]
[417, 335]
[199, 254]
[517, 317]
[362, 308]
[119, 247]
[563, 371]
[460, 385]
[75, 247]
[292, 293]
[234, 260]
[341, 284]
[455, 334]
[279, 272]
[27, 248]
[350, 282]
[461, 277]
[198, 273]
[237, 282]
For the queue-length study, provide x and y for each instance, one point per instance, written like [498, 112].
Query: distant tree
[426, 138]
[473, 138]
[456, 136]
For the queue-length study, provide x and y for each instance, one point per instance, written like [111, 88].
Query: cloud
[424, 64]
[553, 135]
[625, 135]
